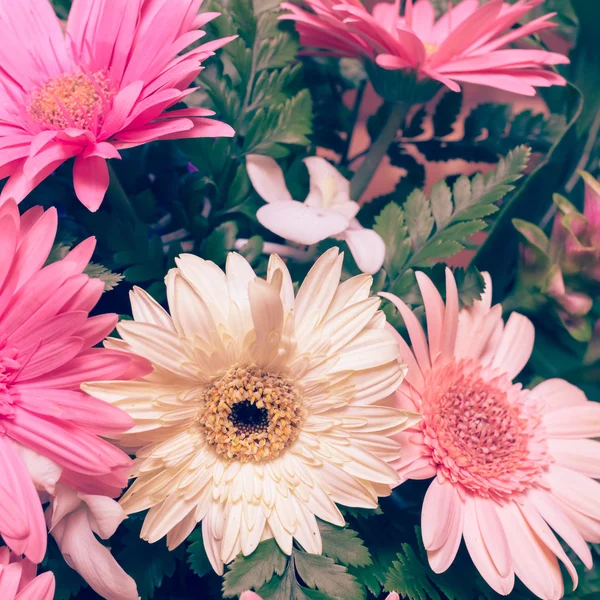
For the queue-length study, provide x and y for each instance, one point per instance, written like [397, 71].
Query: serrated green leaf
[148, 564]
[111, 280]
[322, 573]
[253, 248]
[389, 224]
[441, 204]
[470, 285]
[408, 577]
[418, 217]
[343, 545]
[197, 558]
[252, 572]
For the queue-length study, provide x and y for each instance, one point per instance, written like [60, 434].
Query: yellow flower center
[430, 48]
[79, 101]
[251, 415]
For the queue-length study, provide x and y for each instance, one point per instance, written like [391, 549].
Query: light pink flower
[103, 86]
[468, 44]
[253, 596]
[46, 351]
[73, 519]
[18, 580]
[328, 211]
[510, 464]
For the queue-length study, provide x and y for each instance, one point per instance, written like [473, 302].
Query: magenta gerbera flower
[104, 85]
[468, 44]
[46, 351]
[510, 465]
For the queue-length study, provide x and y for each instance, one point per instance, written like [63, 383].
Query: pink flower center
[9, 367]
[78, 101]
[483, 432]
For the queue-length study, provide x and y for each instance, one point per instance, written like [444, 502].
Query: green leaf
[111, 280]
[216, 246]
[197, 559]
[334, 580]
[148, 564]
[252, 250]
[419, 220]
[251, 572]
[470, 285]
[441, 204]
[390, 226]
[343, 545]
[408, 576]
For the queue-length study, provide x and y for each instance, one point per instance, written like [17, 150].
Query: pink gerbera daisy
[18, 580]
[510, 464]
[104, 85]
[468, 44]
[46, 351]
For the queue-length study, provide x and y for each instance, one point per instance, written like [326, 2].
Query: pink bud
[250, 596]
[393, 596]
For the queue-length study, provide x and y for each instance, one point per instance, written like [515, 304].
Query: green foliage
[197, 559]
[276, 576]
[424, 229]
[148, 564]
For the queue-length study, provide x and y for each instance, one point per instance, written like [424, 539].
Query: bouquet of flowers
[299, 300]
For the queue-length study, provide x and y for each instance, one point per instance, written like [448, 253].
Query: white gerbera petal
[263, 410]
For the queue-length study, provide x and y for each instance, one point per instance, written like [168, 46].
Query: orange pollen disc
[78, 101]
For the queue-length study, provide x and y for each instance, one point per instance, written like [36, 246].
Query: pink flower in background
[575, 240]
[510, 464]
[103, 86]
[18, 580]
[468, 44]
[253, 596]
[46, 351]
[328, 210]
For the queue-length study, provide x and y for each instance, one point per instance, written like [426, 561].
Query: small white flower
[327, 211]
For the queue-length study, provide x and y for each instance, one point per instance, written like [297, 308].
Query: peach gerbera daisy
[18, 580]
[103, 85]
[468, 44]
[265, 408]
[510, 464]
[46, 351]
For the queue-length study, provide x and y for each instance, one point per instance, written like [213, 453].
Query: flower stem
[377, 151]
[118, 197]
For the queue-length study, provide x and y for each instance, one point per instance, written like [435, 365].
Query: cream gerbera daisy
[264, 410]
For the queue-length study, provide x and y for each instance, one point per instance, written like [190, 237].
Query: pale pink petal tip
[250, 596]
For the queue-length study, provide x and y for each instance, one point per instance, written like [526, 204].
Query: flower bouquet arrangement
[299, 300]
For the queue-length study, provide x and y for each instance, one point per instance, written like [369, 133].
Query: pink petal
[556, 394]
[577, 491]
[434, 312]
[41, 588]
[552, 512]
[440, 516]
[516, 345]
[580, 455]
[479, 546]
[91, 179]
[93, 561]
[582, 421]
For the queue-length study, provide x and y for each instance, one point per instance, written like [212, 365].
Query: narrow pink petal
[579, 492]
[553, 513]
[478, 546]
[41, 588]
[91, 179]
[51, 355]
[415, 331]
[582, 421]
[441, 513]
[580, 455]
[555, 394]
[434, 312]
[97, 329]
[516, 345]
